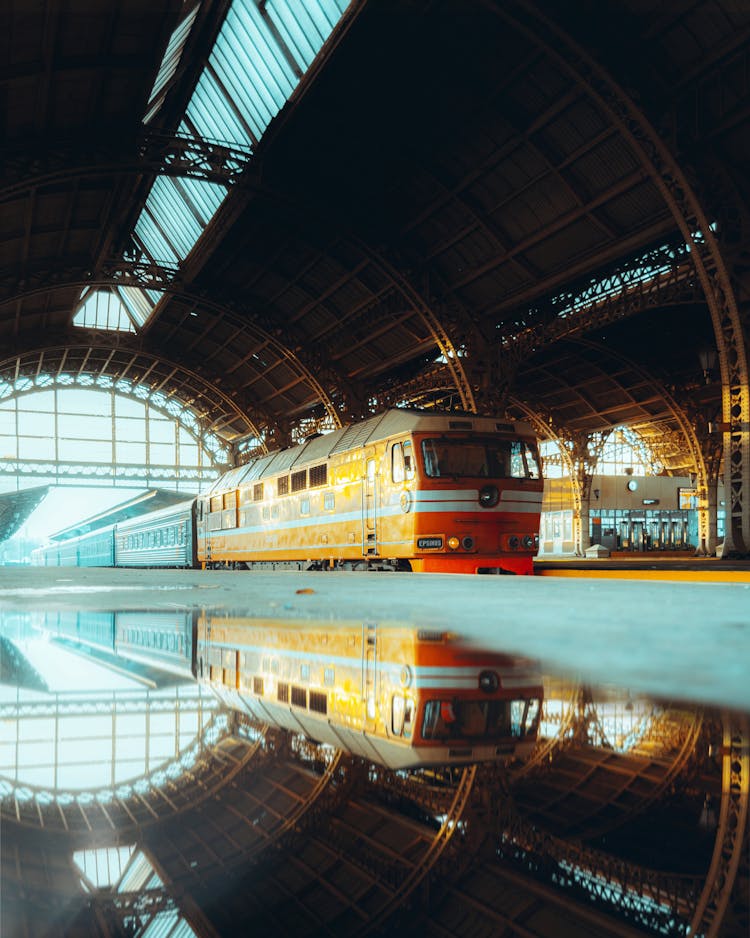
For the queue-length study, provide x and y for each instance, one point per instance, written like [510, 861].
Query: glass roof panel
[170, 62]
[259, 56]
[211, 115]
[152, 238]
[304, 29]
[103, 867]
[138, 303]
[204, 197]
[103, 309]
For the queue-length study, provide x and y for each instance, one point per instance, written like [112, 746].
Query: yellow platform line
[706, 576]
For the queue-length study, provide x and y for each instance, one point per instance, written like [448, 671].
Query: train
[400, 696]
[404, 490]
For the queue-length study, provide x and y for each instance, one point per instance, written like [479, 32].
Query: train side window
[319, 475]
[304, 672]
[408, 460]
[274, 512]
[329, 501]
[329, 677]
[299, 480]
[398, 707]
[408, 719]
[397, 463]
[282, 485]
[258, 492]
[266, 513]
[304, 506]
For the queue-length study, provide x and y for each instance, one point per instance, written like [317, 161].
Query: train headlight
[489, 681]
[528, 542]
[489, 496]
[453, 542]
[513, 542]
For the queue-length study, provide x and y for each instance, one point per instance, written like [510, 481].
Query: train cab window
[402, 716]
[216, 503]
[329, 501]
[408, 461]
[523, 461]
[397, 462]
[524, 716]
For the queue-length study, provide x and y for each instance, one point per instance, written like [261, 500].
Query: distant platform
[682, 566]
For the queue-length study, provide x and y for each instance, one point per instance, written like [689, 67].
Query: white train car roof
[390, 423]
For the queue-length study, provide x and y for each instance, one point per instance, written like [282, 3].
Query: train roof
[390, 423]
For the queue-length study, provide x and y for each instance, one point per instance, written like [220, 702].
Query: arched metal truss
[697, 456]
[128, 370]
[695, 227]
[153, 152]
[662, 276]
[437, 328]
[149, 275]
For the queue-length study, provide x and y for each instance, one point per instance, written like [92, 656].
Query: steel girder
[694, 225]
[153, 152]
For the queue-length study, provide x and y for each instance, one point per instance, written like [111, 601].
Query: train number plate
[429, 543]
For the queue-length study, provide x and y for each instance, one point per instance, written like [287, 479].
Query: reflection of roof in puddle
[17, 670]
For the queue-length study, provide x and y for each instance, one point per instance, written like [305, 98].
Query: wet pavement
[677, 640]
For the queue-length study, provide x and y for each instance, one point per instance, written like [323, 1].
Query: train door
[370, 505]
[370, 671]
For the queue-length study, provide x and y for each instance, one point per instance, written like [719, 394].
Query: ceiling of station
[458, 202]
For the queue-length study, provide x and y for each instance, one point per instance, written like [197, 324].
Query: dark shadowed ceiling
[459, 204]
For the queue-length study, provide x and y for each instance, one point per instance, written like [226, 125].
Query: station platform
[647, 566]
[667, 638]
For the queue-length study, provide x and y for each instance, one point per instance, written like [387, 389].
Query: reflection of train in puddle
[401, 697]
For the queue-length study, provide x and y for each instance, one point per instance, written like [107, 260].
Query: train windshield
[480, 719]
[479, 458]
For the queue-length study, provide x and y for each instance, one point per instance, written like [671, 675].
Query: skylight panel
[169, 63]
[138, 303]
[103, 867]
[204, 197]
[103, 309]
[304, 29]
[153, 239]
[261, 53]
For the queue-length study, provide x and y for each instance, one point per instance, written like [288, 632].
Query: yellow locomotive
[404, 490]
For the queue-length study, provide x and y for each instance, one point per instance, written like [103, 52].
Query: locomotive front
[477, 498]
